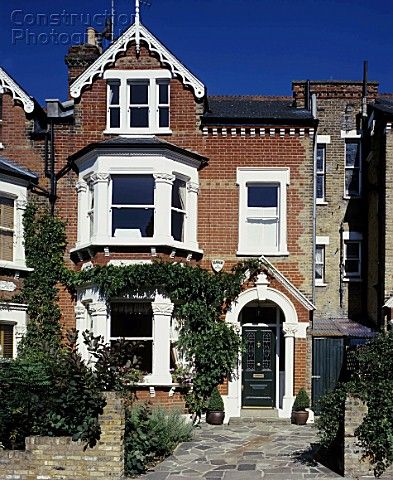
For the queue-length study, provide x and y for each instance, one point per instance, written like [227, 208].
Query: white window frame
[16, 190]
[14, 314]
[321, 174]
[352, 237]
[321, 242]
[125, 77]
[352, 136]
[164, 167]
[270, 176]
[323, 141]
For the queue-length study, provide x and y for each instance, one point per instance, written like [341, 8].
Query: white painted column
[289, 332]
[83, 232]
[19, 249]
[99, 316]
[191, 238]
[100, 183]
[162, 313]
[81, 324]
[162, 204]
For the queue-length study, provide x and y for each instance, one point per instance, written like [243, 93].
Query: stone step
[265, 415]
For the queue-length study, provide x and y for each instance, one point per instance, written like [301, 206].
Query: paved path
[275, 451]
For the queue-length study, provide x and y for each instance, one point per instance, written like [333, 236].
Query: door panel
[259, 362]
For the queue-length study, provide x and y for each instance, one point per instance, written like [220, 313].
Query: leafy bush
[49, 392]
[302, 401]
[216, 403]
[152, 434]
[332, 407]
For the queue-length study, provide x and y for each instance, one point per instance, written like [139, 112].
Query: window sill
[352, 280]
[241, 253]
[317, 284]
[357, 197]
[137, 132]
[319, 201]
[15, 266]
[146, 242]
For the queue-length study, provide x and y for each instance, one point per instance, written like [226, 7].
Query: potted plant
[215, 409]
[301, 403]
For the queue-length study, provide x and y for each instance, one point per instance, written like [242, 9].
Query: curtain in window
[6, 228]
[6, 340]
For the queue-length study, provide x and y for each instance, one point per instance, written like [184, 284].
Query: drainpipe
[314, 202]
[341, 288]
[53, 183]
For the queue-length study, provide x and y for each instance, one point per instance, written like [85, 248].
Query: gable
[18, 94]
[96, 70]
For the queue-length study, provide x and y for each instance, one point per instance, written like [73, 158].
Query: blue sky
[233, 46]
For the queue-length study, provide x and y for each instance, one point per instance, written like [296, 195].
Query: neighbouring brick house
[153, 167]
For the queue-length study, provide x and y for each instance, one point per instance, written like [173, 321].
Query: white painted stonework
[14, 314]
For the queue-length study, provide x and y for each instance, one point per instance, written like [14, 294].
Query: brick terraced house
[153, 167]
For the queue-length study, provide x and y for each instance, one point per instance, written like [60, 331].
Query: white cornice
[287, 284]
[121, 45]
[7, 83]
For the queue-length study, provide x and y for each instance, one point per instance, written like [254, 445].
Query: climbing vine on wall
[209, 345]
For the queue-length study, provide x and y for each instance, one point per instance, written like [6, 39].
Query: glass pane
[139, 94]
[319, 272]
[262, 196]
[114, 94]
[114, 117]
[352, 181]
[143, 353]
[353, 249]
[131, 320]
[133, 190]
[351, 266]
[352, 154]
[320, 158]
[139, 219]
[6, 341]
[163, 98]
[320, 186]
[164, 117]
[179, 194]
[139, 117]
[6, 212]
[319, 254]
[177, 226]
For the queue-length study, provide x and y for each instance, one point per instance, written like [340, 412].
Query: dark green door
[259, 363]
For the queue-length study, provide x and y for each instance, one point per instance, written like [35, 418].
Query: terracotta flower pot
[300, 417]
[215, 418]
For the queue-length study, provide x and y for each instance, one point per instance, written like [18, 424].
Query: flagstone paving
[268, 450]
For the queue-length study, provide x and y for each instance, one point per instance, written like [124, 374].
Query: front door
[259, 361]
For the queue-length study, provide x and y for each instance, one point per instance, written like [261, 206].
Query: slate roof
[340, 327]
[11, 168]
[384, 104]
[254, 110]
[137, 143]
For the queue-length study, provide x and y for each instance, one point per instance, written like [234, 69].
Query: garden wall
[61, 458]
[354, 463]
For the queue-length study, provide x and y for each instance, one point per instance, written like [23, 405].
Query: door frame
[276, 327]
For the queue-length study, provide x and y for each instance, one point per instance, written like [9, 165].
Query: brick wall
[59, 457]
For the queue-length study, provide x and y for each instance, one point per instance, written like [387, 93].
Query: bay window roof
[7, 167]
[136, 144]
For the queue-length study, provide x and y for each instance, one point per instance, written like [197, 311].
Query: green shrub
[151, 435]
[332, 407]
[302, 401]
[216, 403]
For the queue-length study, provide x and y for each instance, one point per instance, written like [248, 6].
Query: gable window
[134, 322]
[6, 229]
[352, 259]
[133, 206]
[320, 171]
[138, 101]
[262, 211]
[352, 168]
[6, 340]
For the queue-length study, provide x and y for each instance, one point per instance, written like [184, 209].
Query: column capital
[81, 186]
[290, 329]
[99, 178]
[162, 308]
[164, 178]
[97, 309]
[193, 187]
[80, 311]
[21, 204]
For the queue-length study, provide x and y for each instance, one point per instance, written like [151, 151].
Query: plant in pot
[301, 403]
[215, 409]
